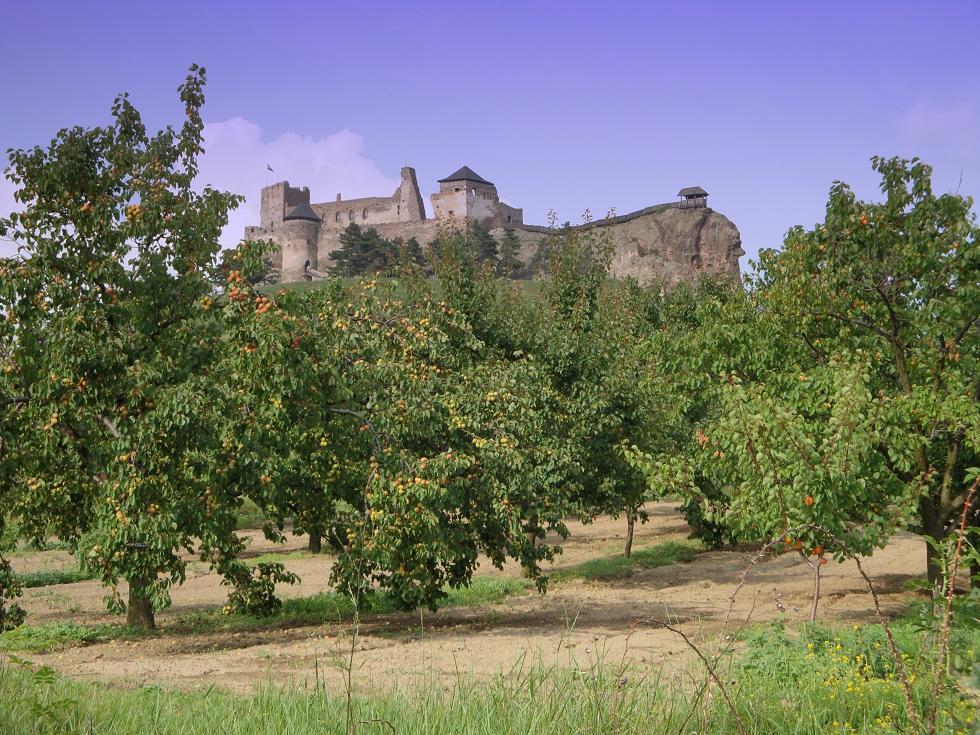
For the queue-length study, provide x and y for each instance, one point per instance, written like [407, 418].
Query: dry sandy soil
[570, 626]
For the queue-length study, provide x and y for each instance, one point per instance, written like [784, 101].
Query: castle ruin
[673, 242]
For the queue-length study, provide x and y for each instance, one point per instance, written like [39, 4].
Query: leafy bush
[11, 614]
[254, 588]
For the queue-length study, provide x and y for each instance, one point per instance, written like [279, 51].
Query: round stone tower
[300, 235]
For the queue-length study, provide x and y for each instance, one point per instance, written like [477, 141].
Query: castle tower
[411, 208]
[300, 235]
[465, 197]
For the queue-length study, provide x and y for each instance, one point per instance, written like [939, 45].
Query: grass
[619, 567]
[817, 680]
[250, 515]
[55, 636]
[281, 556]
[325, 607]
[47, 577]
[332, 607]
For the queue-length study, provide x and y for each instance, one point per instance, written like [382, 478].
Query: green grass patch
[281, 556]
[487, 591]
[813, 681]
[46, 577]
[49, 545]
[618, 567]
[332, 607]
[250, 515]
[56, 636]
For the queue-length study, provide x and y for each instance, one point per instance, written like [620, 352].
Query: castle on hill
[673, 242]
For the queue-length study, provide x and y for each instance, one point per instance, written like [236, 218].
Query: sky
[565, 106]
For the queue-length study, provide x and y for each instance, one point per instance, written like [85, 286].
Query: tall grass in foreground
[822, 681]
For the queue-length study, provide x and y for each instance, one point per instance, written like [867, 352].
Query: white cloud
[236, 156]
[235, 160]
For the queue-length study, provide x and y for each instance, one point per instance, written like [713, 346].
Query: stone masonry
[672, 242]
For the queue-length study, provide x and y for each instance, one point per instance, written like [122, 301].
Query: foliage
[509, 264]
[11, 614]
[696, 331]
[897, 283]
[375, 432]
[364, 252]
[803, 461]
[254, 588]
[230, 261]
[848, 378]
[107, 398]
[484, 246]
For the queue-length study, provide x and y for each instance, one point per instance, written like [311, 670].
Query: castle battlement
[674, 241]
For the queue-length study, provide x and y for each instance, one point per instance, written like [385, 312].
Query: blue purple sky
[564, 105]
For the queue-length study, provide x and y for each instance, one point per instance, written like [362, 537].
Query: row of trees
[413, 425]
[417, 423]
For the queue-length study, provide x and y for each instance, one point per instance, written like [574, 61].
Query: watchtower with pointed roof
[466, 197]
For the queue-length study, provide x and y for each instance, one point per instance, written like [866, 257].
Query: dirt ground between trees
[570, 626]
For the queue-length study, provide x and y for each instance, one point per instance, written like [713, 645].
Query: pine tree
[416, 256]
[509, 264]
[363, 252]
[484, 246]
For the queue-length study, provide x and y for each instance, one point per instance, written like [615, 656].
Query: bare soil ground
[570, 626]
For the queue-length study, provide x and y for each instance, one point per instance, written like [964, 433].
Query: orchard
[437, 418]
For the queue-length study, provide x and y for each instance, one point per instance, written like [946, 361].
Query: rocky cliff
[664, 242]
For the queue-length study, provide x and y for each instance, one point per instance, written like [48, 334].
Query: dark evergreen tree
[363, 252]
[484, 246]
[539, 261]
[414, 253]
[509, 265]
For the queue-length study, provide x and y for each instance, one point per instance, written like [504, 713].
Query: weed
[55, 636]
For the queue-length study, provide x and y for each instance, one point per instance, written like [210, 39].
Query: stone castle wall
[668, 242]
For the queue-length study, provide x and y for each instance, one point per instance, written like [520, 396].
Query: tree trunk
[316, 543]
[933, 527]
[528, 572]
[139, 613]
[816, 589]
[630, 527]
[974, 539]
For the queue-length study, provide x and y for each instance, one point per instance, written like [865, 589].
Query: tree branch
[110, 426]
